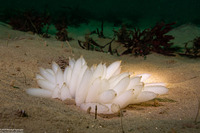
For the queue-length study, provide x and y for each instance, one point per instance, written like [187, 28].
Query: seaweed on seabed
[139, 45]
[142, 43]
[194, 50]
[161, 42]
[90, 44]
[123, 35]
[135, 41]
[29, 20]
[62, 33]
[47, 22]
[99, 33]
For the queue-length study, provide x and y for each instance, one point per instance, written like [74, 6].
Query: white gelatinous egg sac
[101, 86]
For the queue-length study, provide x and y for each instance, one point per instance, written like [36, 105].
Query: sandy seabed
[22, 53]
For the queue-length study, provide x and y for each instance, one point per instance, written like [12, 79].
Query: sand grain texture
[21, 54]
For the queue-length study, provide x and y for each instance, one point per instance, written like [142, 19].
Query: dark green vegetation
[36, 22]
[143, 42]
[192, 48]
[144, 24]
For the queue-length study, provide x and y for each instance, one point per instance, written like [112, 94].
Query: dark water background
[117, 11]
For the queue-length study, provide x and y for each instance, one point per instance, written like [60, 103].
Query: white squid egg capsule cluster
[98, 86]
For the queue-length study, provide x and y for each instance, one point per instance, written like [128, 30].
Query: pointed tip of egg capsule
[65, 95]
[41, 69]
[71, 62]
[55, 67]
[98, 71]
[112, 69]
[143, 76]
[54, 63]
[39, 92]
[38, 76]
[46, 74]
[81, 60]
[70, 59]
[160, 90]
[155, 84]
[43, 72]
[45, 84]
[119, 62]
[81, 57]
[143, 97]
